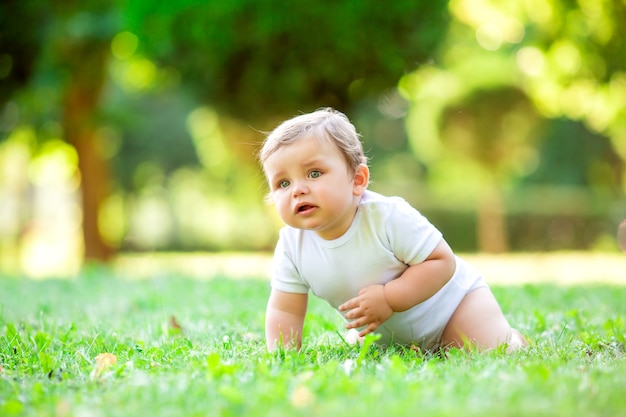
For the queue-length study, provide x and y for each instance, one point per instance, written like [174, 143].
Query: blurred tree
[493, 127]
[59, 51]
[257, 60]
[251, 61]
[566, 58]
[83, 50]
[573, 64]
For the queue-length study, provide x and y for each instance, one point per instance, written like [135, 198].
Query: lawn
[185, 347]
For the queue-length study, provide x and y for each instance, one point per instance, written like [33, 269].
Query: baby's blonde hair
[326, 123]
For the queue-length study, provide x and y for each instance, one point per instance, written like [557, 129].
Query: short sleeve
[411, 236]
[285, 275]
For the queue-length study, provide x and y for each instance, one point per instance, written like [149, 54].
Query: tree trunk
[87, 76]
[491, 221]
[94, 189]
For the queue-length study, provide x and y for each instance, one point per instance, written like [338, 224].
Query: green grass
[216, 365]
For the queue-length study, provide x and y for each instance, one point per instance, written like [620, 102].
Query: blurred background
[131, 127]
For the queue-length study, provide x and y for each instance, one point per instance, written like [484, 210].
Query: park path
[566, 268]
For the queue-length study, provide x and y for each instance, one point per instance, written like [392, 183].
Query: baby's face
[313, 187]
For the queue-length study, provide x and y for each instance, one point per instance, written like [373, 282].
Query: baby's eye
[315, 174]
[283, 184]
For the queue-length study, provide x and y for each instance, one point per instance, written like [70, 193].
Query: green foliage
[60, 37]
[19, 48]
[156, 142]
[254, 59]
[492, 127]
[51, 333]
[574, 156]
[529, 92]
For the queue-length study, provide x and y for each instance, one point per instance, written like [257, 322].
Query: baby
[374, 258]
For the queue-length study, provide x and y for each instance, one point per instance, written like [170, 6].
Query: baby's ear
[361, 179]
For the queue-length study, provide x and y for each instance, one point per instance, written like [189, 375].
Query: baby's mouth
[305, 207]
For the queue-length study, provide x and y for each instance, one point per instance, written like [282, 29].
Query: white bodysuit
[387, 235]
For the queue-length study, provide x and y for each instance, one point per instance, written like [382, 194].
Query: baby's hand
[369, 308]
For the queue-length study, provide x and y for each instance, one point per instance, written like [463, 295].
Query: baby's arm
[376, 303]
[284, 319]
[421, 281]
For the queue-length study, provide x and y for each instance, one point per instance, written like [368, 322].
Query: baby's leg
[479, 321]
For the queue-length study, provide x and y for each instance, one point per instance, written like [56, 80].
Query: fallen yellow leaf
[106, 359]
[103, 362]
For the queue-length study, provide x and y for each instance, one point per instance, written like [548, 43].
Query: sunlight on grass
[200, 265]
[564, 268]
